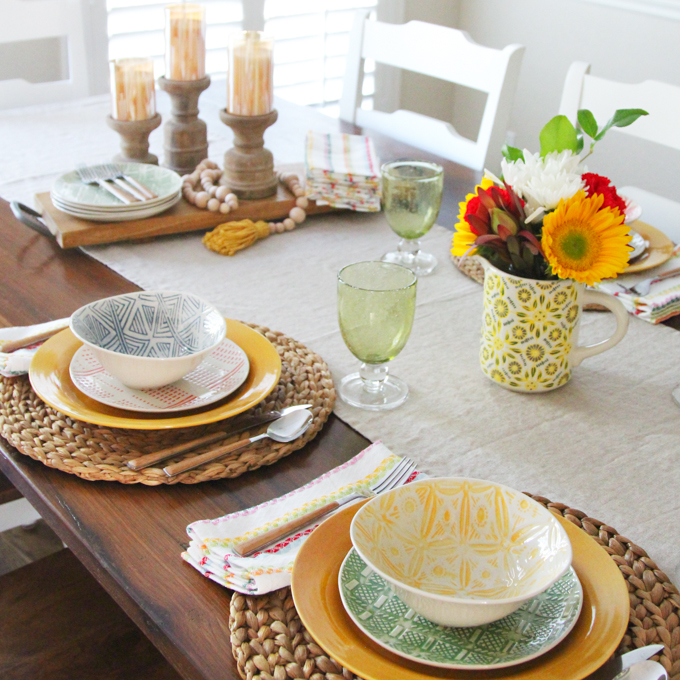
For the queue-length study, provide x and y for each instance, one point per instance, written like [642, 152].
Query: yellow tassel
[229, 238]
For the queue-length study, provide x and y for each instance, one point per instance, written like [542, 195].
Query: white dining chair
[444, 53]
[660, 100]
[40, 20]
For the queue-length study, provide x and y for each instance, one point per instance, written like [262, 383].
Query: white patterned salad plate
[223, 371]
[70, 190]
[638, 244]
[538, 626]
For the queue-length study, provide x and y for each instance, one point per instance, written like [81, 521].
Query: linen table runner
[614, 427]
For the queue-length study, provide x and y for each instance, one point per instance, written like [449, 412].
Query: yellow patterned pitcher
[530, 330]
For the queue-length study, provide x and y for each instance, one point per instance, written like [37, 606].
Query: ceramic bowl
[460, 551]
[149, 339]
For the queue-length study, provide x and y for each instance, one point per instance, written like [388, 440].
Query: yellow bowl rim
[463, 600]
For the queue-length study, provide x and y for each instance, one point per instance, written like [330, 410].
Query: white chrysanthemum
[543, 182]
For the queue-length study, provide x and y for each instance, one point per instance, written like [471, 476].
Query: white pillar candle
[250, 81]
[133, 93]
[184, 42]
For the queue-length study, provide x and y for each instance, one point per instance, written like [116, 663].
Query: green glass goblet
[412, 196]
[376, 305]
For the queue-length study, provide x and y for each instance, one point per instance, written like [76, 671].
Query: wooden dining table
[130, 537]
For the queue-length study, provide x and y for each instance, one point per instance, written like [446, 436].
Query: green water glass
[412, 196]
[376, 306]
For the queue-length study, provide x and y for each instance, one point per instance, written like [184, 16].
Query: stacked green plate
[532, 630]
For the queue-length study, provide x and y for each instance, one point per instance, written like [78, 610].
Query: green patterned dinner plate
[532, 630]
[163, 182]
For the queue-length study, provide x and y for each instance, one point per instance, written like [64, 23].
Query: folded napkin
[343, 171]
[18, 362]
[210, 549]
[663, 299]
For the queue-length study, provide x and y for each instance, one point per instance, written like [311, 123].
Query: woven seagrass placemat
[100, 453]
[269, 641]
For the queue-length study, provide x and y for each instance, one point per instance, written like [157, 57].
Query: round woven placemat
[269, 641]
[100, 453]
[470, 266]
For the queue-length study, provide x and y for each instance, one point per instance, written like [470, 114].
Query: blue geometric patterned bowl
[151, 338]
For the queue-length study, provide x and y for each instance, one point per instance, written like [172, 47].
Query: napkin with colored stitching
[210, 549]
[663, 299]
[343, 171]
[18, 362]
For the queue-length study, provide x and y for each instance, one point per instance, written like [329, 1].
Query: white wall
[623, 45]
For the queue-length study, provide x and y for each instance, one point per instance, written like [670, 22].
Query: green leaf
[579, 141]
[512, 154]
[621, 118]
[587, 122]
[557, 135]
[624, 117]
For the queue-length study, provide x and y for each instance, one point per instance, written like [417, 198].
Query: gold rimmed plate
[660, 248]
[51, 381]
[596, 635]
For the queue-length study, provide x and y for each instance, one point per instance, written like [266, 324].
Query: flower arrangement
[546, 218]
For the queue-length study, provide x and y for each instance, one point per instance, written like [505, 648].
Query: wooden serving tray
[72, 232]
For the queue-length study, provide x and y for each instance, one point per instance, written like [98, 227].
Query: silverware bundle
[237, 425]
[111, 178]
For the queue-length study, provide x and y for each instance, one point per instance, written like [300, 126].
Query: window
[309, 54]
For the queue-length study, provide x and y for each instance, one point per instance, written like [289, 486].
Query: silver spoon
[284, 429]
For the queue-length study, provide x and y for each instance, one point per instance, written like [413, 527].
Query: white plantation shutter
[311, 38]
[136, 29]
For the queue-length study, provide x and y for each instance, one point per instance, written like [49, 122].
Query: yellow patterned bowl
[460, 551]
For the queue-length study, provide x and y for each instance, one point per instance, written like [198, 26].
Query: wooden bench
[58, 623]
[7, 491]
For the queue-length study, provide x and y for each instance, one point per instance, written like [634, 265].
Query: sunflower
[463, 238]
[585, 242]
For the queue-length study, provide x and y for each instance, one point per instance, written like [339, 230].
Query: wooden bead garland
[213, 197]
[218, 198]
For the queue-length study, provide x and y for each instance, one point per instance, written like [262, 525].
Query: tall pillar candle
[133, 108]
[184, 42]
[250, 82]
[133, 95]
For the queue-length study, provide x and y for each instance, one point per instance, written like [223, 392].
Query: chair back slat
[38, 20]
[443, 53]
[603, 97]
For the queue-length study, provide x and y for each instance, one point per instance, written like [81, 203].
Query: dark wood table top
[130, 537]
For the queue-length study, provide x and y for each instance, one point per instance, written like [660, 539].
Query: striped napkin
[18, 362]
[210, 549]
[663, 299]
[343, 171]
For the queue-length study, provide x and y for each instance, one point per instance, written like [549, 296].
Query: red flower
[476, 207]
[598, 184]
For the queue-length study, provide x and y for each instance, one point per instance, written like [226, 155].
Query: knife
[239, 424]
[616, 665]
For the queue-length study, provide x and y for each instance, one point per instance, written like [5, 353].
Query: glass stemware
[376, 305]
[412, 196]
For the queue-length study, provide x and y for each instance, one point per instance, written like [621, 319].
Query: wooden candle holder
[186, 135]
[134, 139]
[248, 166]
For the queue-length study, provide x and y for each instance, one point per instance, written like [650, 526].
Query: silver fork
[95, 174]
[117, 173]
[397, 476]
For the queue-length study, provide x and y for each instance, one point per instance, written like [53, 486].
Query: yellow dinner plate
[597, 633]
[660, 248]
[49, 376]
